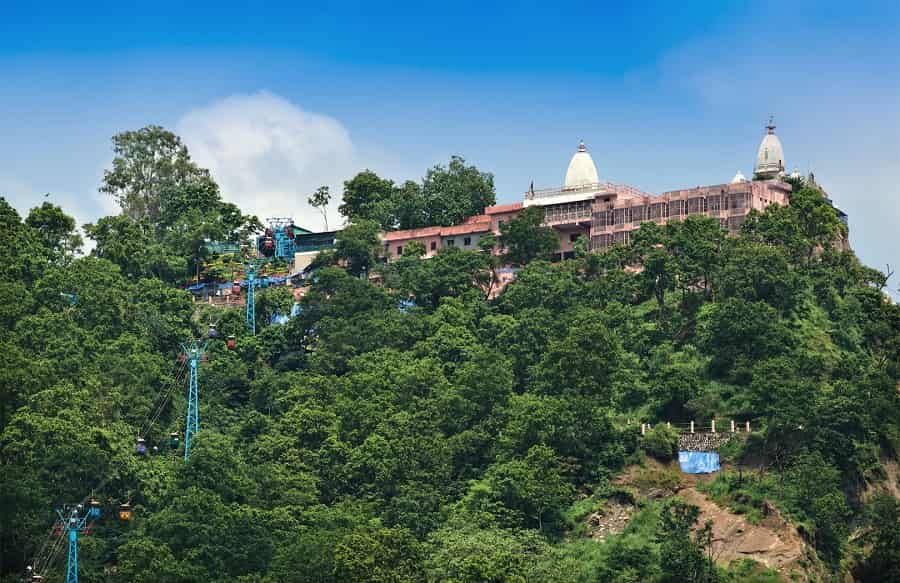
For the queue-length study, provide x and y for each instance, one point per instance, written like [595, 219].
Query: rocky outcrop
[773, 542]
[611, 519]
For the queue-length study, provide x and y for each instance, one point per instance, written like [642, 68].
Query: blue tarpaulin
[279, 319]
[698, 462]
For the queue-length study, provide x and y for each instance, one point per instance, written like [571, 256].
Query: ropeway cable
[166, 393]
[49, 550]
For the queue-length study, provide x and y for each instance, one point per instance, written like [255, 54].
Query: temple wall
[614, 221]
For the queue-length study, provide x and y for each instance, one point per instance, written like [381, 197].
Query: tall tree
[696, 243]
[650, 246]
[525, 238]
[364, 194]
[172, 202]
[56, 230]
[409, 206]
[358, 246]
[681, 558]
[150, 169]
[320, 199]
[456, 191]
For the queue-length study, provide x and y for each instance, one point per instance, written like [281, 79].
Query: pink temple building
[607, 213]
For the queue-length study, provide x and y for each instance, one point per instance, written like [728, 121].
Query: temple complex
[608, 213]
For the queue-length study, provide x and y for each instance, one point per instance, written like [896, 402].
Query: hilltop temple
[607, 213]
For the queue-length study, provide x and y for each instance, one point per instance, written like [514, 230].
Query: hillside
[460, 437]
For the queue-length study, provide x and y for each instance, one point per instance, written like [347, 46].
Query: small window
[399, 249]
[451, 242]
[467, 241]
[574, 237]
[433, 245]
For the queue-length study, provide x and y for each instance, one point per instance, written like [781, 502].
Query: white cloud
[268, 155]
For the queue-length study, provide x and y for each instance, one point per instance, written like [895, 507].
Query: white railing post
[692, 426]
[713, 425]
[748, 427]
[643, 428]
[732, 425]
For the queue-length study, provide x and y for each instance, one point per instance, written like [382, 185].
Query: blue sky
[277, 98]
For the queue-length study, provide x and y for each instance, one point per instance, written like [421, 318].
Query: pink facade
[501, 213]
[605, 213]
[615, 218]
[395, 241]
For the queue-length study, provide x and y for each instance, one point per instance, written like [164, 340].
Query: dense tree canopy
[171, 208]
[407, 425]
[446, 196]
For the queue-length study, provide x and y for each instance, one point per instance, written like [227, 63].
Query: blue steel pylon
[72, 564]
[73, 521]
[250, 270]
[193, 352]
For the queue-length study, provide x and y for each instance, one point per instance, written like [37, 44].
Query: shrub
[661, 442]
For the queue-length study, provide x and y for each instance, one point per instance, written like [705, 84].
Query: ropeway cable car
[94, 509]
[125, 512]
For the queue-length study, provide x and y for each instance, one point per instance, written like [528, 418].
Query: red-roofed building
[434, 239]
[394, 241]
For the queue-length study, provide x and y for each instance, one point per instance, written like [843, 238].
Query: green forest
[410, 426]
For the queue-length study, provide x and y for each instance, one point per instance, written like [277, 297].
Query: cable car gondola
[94, 510]
[231, 342]
[236, 287]
[212, 332]
[140, 447]
[173, 440]
[125, 512]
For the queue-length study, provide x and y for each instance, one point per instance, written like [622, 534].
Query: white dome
[770, 157]
[738, 178]
[581, 169]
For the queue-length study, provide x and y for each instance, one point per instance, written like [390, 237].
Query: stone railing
[691, 438]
